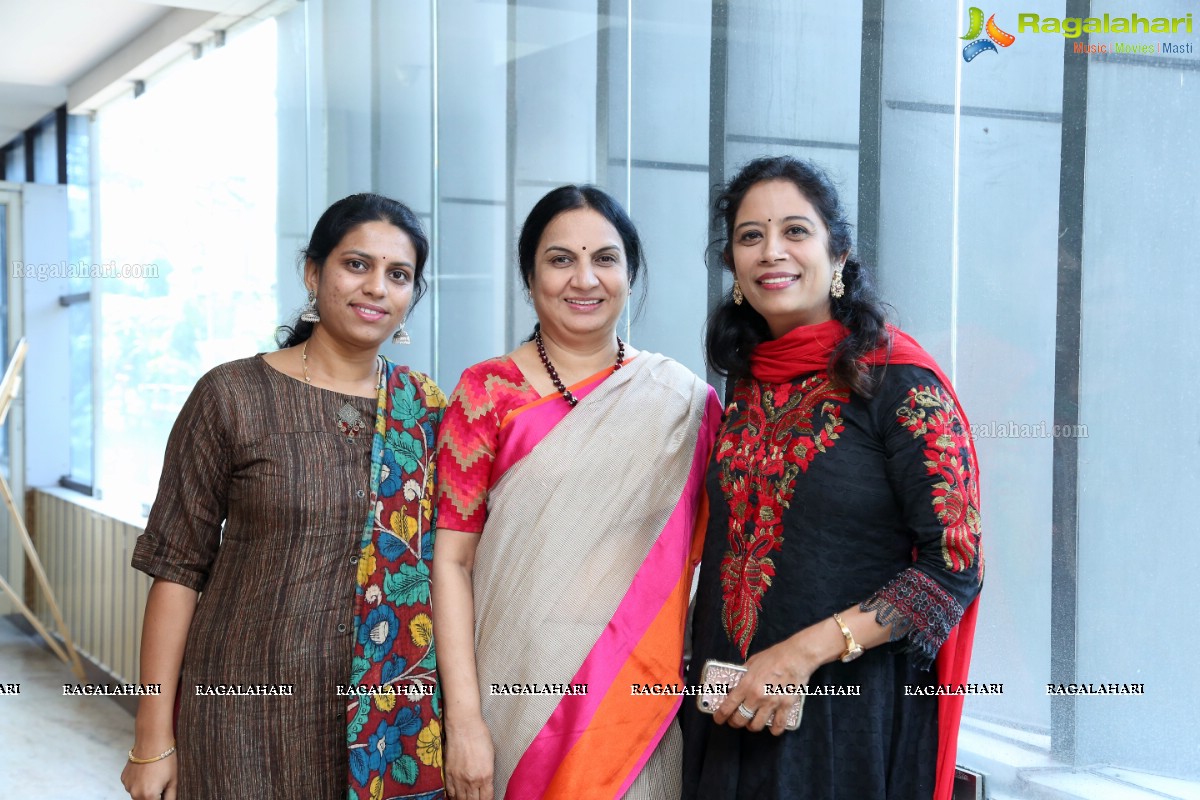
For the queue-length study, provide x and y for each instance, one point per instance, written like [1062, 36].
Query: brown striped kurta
[262, 452]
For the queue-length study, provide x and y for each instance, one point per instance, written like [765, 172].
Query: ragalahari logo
[995, 35]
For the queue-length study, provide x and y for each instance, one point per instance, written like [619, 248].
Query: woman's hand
[792, 661]
[470, 762]
[169, 610]
[469, 754]
[151, 781]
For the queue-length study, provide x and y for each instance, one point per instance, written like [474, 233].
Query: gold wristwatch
[853, 648]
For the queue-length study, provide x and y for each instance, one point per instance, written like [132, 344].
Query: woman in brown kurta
[302, 627]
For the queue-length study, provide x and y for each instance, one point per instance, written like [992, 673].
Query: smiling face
[365, 286]
[780, 251]
[580, 280]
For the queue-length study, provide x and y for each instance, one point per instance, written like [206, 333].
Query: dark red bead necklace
[558, 384]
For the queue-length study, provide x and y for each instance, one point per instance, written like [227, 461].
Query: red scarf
[807, 349]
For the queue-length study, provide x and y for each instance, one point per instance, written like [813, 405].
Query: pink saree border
[524, 426]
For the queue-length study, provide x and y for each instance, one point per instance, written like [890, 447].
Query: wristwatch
[853, 648]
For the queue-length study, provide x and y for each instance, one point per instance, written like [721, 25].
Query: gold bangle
[853, 649]
[135, 760]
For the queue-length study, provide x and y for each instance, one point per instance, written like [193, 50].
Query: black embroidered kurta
[821, 500]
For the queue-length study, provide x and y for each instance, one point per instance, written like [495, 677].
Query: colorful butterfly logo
[995, 35]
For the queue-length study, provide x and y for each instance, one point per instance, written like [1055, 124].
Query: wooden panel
[128, 609]
[108, 566]
[86, 556]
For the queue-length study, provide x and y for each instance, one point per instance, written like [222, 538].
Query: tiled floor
[53, 746]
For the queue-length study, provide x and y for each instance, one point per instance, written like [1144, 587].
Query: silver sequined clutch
[718, 677]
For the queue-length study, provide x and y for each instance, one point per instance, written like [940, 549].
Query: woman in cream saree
[567, 541]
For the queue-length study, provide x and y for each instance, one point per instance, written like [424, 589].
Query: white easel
[8, 390]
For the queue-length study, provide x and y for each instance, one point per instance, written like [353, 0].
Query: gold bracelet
[135, 760]
[853, 649]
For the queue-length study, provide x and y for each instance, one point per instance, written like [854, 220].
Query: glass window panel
[45, 150]
[15, 163]
[187, 189]
[1138, 473]
[470, 185]
[667, 171]
[4, 284]
[7, 428]
[79, 209]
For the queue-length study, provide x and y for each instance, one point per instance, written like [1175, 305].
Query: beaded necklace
[558, 384]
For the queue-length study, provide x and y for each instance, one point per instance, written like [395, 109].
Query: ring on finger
[748, 713]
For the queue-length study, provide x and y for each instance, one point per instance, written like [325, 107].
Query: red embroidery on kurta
[759, 456]
[929, 412]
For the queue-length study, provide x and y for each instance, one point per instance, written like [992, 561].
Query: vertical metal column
[1064, 573]
[60, 142]
[870, 134]
[512, 291]
[718, 80]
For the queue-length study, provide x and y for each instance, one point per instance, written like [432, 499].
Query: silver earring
[401, 336]
[310, 314]
[837, 288]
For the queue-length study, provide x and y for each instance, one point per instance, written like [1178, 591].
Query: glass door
[10, 256]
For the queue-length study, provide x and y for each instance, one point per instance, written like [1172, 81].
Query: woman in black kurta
[839, 487]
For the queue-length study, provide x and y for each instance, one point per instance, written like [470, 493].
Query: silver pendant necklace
[350, 420]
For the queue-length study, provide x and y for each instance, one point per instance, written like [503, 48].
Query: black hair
[337, 221]
[735, 330]
[570, 198]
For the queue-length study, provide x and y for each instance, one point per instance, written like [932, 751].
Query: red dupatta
[807, 349]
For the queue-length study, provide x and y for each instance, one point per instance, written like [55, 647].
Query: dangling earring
[401, 336]
[837, 288]
[738, 297]
[310, 314]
